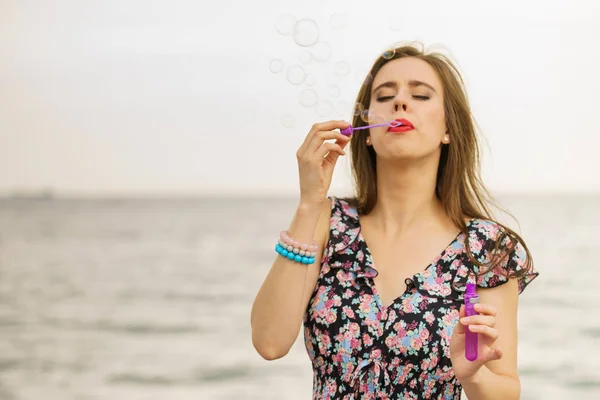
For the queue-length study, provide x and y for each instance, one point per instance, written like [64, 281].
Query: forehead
[405, 69]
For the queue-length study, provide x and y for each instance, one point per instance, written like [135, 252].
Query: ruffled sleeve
[514, 265]
[344, 249]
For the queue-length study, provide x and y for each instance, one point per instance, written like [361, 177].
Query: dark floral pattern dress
[362, 350]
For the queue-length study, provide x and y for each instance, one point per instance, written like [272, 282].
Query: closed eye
[387, 98]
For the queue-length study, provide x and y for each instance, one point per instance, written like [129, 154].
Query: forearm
[279, 305]
[486, 385]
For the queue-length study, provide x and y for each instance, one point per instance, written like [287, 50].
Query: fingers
[485, 309]
[322, 126]
[485, 330]
[493, 353]
[479, 320]
[320, 137]
[483, 323]
[329, 148]
[332, 157]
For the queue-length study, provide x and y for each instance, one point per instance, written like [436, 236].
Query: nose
[400, 102]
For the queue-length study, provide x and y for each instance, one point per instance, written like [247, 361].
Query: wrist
[309, 208]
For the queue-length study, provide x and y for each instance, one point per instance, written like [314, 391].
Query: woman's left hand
[482, 324]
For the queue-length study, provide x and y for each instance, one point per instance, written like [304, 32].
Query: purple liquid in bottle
[471, 343]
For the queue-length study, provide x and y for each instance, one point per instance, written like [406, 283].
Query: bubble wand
[471, 342]
[349, 130]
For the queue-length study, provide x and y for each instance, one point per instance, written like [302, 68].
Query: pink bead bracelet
[302, 248]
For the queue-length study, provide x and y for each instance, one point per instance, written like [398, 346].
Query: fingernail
[464, 320]
[478, 307]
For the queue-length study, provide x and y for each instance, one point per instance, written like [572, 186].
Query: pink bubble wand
[349, 130]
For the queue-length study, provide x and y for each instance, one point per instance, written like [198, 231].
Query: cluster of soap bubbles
[306, 34]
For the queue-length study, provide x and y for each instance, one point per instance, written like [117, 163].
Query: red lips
[405, 125]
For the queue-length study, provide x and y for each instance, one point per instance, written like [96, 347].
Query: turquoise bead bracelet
[293, 256]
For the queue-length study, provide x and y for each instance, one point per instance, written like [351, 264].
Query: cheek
[435, 117]
[375, 107]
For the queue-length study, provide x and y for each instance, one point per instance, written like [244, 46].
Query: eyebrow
[394, 85]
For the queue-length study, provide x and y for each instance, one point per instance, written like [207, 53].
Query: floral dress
[360, 349]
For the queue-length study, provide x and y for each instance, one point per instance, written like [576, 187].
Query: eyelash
[386, 98]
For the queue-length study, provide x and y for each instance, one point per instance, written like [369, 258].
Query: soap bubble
[337, 21]
[285, 25]
[305, 58]
[288, 120]
[308, 98]
[358, 109]
[342, 68]
[321, 51]
[296, 74]
[306, 32]
[371, 118]
[324, 108]
[389, 53]
[310, 80]
[364, 115]
[276, 66]
[335, 91]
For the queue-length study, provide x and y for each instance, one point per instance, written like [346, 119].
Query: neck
[406, 196]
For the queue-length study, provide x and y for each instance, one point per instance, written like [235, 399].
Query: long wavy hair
[459, 185]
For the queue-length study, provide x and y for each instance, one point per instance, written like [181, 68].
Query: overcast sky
[140, 97]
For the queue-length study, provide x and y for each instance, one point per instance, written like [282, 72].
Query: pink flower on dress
[462, 270]
[344, 277]
[416, 343]
[404, 371]
[445, 290]
[360, 256]
[429, 317]
[354, 329]
[449, 318]
[475, 246]
[326, 340]
[376, 353]
[331, 387]
[337, 301]
[365, 303]
[331, 317]
[450, 252]
[407, 305]
[349, 312]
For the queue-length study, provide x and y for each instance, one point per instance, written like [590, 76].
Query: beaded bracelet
[296, 251]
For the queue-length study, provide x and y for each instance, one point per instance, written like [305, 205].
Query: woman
[381, 292]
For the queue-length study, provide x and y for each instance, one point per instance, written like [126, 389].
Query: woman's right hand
[317, 158]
